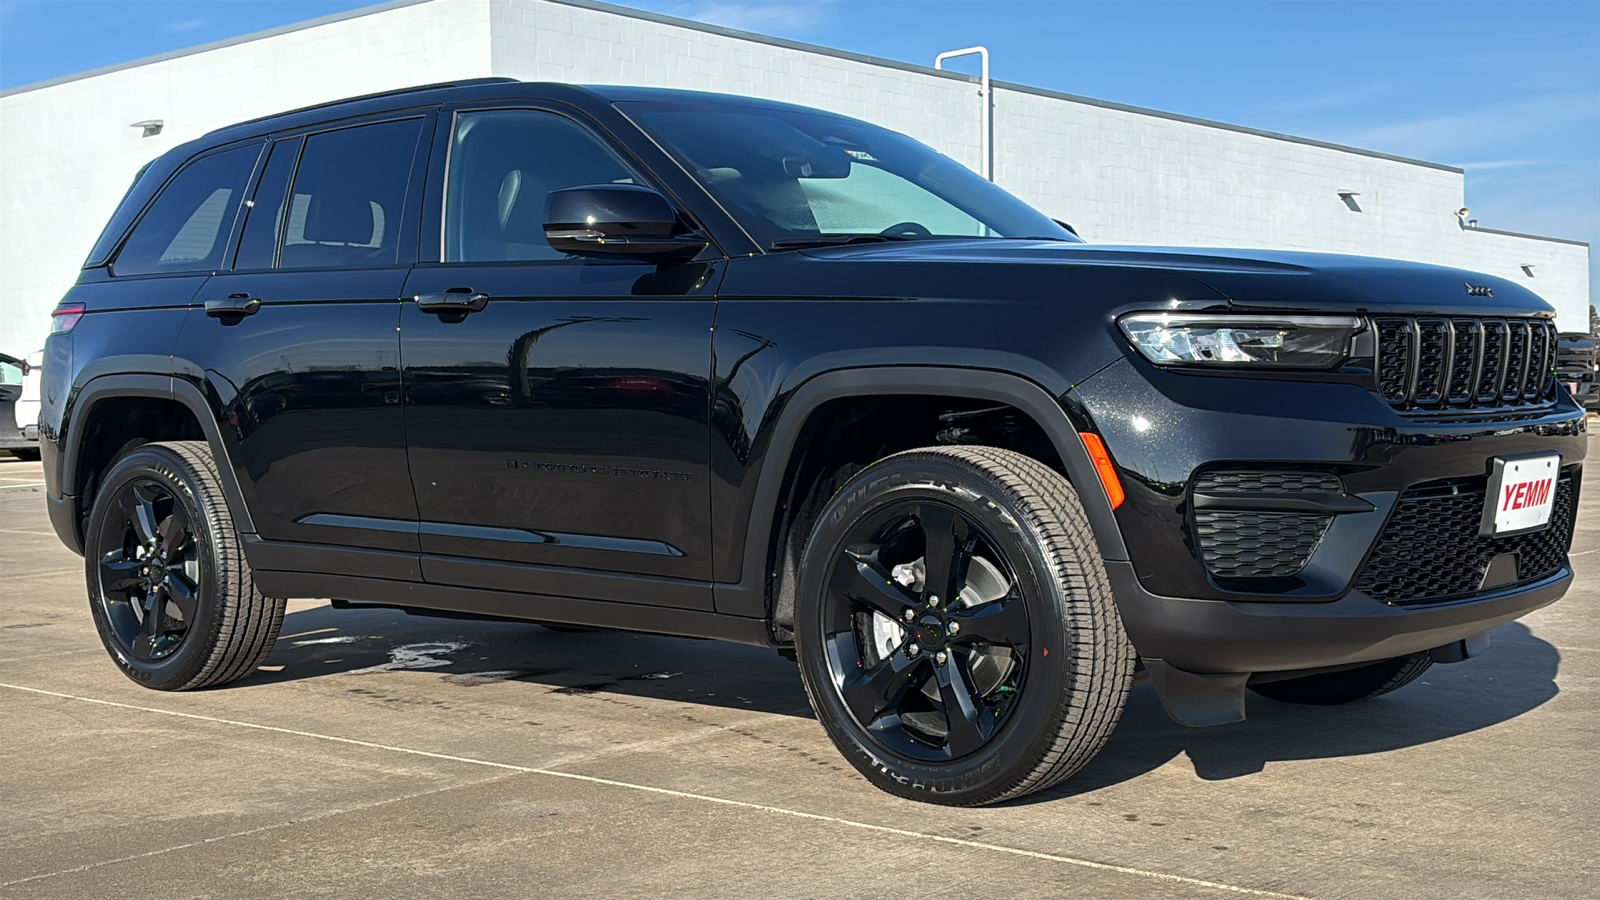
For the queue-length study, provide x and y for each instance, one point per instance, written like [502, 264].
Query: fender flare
[163, 387]
[748, 596]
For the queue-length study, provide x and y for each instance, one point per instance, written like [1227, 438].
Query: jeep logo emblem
[1478, 290]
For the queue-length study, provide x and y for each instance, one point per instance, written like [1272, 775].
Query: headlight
[1295, 342]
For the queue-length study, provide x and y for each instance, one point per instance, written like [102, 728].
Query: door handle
[232, 306]
[456, 301]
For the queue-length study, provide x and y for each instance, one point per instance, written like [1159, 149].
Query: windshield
[795, 177]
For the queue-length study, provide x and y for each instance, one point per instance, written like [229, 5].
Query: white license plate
[1522, 492]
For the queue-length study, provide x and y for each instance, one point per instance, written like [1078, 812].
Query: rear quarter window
[186, 229]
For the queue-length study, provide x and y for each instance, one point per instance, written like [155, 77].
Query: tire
[1024, 563]
[26, 454]
[1349, 685]
[198, 620]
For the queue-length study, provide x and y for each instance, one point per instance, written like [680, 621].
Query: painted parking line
[687, 795]
[276, 826]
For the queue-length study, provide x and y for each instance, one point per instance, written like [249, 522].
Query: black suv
[705, 365]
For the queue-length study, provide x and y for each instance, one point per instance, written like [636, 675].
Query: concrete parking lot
[379, 754]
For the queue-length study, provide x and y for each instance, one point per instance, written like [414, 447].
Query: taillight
[65, 317]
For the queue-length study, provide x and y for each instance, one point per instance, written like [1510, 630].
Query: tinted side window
[349, 197]
[502, 164]
[187, 227]
[260, 238]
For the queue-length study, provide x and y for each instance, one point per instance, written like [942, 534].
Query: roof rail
[464, 82]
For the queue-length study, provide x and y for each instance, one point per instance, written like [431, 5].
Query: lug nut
[933, 599]
[910, 615]
[940, 657]
[912, 649]
[955, 628]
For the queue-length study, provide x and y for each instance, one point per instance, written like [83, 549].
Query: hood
[1251, 279]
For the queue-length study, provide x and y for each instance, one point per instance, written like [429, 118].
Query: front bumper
[1213, 637]
[1164, 428]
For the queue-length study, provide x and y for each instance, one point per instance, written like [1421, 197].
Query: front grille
[1493, 365]
[1430, 549]
[1464, 359]
[1255, 544]
[1437, 363]
[1250, 544]
[1516, 362]
[1433, 354]
[1395, 352]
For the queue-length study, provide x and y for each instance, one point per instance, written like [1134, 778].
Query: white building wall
[67, 153]
[1119, 175]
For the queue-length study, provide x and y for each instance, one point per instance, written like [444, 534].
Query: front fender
[776, 449]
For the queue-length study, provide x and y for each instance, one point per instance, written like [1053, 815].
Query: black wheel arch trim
[164, 387]
[748, 597]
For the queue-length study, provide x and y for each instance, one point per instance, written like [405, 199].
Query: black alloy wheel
[955, 628]
[926, 630]
[150, 570]
[171, 594]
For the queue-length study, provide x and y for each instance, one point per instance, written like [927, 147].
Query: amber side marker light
[1103, 467]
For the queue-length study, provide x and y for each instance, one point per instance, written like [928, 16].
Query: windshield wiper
[834, 240]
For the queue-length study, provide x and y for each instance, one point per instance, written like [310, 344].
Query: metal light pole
[988, 104]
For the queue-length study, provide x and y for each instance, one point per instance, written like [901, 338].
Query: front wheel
[955, 627]
[169, 589]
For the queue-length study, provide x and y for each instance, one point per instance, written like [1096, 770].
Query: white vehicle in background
[19, 405]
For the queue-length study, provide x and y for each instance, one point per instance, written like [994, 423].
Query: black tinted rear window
[187, 227]
[349, 197]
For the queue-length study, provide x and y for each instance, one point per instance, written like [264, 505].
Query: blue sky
[1508, 90]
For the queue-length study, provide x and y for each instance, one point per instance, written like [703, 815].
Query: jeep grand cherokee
[706, 365]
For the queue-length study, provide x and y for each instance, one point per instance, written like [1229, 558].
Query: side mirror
[617, 221]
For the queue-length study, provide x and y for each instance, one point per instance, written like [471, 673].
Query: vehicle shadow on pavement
[1515, 676]
[464, 653]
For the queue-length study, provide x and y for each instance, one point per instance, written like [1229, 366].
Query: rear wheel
[955, 628]
[169, 589]
[1349, 685]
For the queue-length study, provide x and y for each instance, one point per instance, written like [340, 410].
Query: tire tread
[249, 621]
[1052, 501]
